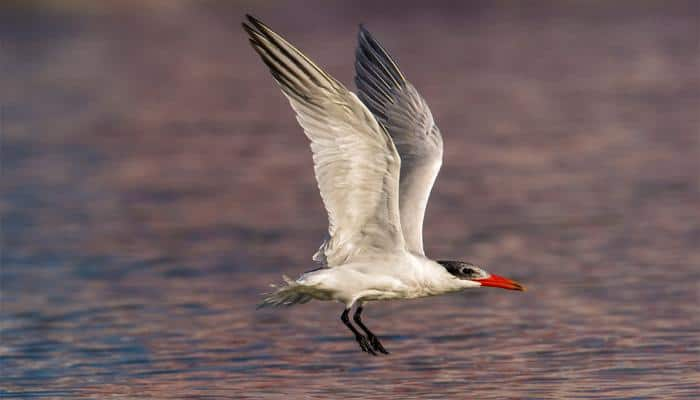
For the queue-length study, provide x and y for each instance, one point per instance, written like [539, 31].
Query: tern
[376, 156]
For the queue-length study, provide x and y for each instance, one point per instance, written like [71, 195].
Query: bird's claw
[377, 345]
[365, 345]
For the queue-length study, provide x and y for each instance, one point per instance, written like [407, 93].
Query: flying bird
[376, 156]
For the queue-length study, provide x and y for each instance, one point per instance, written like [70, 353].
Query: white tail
[289, 294]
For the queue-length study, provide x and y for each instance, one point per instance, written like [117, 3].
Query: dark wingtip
[251, 25]
[249, 29]
[363, 34]
[256, 22]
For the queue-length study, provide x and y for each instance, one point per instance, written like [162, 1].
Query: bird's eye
[467, 271]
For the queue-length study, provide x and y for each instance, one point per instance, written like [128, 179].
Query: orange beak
[500, 282]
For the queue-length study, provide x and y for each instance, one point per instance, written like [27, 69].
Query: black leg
[373, 340]
[361, 339]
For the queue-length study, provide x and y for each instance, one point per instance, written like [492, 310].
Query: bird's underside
[376, 155]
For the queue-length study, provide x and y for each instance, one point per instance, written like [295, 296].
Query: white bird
[376, 157]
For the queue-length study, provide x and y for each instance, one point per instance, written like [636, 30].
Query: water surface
[154, 182]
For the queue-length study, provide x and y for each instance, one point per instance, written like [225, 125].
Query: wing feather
[399, 107]
[355, 161]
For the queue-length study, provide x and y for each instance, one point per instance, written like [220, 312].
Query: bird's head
[470, 272]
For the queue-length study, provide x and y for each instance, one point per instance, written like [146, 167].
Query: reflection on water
[154, 183]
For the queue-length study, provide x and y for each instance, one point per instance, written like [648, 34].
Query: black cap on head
[463, 270]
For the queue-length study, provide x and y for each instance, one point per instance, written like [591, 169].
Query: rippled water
[154, 183]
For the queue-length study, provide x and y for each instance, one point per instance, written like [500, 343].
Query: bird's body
[400, 275]
[376, 156]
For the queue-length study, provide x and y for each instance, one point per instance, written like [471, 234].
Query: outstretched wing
[404, 113]
[355, 161]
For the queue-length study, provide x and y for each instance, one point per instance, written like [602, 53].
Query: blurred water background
[154, 182]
